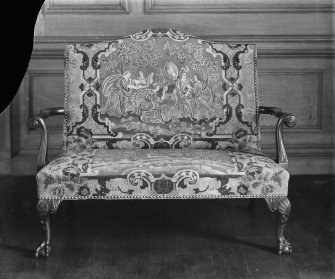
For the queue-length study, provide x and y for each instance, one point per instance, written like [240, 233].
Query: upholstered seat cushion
[164, 173]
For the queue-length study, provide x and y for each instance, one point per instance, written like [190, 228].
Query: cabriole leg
[45, 208]
[283, 208]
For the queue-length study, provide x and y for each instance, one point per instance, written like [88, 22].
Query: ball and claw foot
[43, 250]
[285, 247]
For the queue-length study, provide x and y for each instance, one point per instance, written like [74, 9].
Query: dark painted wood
[168, 238]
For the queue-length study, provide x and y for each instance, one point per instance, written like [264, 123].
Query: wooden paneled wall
[295, 62]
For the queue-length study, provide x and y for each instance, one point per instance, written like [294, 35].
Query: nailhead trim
[256, 96]
[167, 197]
[66, 98]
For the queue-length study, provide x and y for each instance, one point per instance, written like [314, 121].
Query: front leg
[45, 208]
[283, 208]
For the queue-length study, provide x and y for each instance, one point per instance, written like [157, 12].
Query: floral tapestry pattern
[138, 173]
[161, 114]
[161, 83]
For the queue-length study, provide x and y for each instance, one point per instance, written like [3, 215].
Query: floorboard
[168, 238]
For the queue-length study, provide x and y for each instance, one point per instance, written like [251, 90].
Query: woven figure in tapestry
[162, 85]
[161, 114]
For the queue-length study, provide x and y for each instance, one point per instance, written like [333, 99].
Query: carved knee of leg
[47, 207]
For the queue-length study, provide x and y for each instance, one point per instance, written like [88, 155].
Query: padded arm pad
[45, 113]
[269, 110]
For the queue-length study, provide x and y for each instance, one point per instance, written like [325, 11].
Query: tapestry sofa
[161, 115]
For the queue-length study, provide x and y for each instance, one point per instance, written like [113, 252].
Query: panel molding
[301, 72]
[154, 7]
[269, 46]
[119, 7]
[30, 75]
[231, 38]
[262, 53]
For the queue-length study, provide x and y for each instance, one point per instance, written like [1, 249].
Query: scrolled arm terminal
[286, 119]
[38, 121]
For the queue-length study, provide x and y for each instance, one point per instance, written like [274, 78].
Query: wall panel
[296, 54]
[238, 6]
[45, 89]
[85, 7]
[302, 86]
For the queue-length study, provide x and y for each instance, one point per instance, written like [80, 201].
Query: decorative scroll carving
[142, 36]
[177, 35]
[171, 33]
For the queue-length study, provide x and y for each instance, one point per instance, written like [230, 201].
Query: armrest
[286, 119]
[38, 121]
[45, 113]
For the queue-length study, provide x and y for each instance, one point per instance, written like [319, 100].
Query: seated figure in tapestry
[163, 88]
[156, 99]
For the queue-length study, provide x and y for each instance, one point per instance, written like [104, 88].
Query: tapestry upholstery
[161, 114]
[167, 173]
[160, 86]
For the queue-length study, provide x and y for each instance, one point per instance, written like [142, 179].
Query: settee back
[161, 89]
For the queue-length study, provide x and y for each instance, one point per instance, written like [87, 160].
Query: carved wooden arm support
[283, 119]
[38, 121]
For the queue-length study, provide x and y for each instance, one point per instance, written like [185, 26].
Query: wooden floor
[168, 238]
